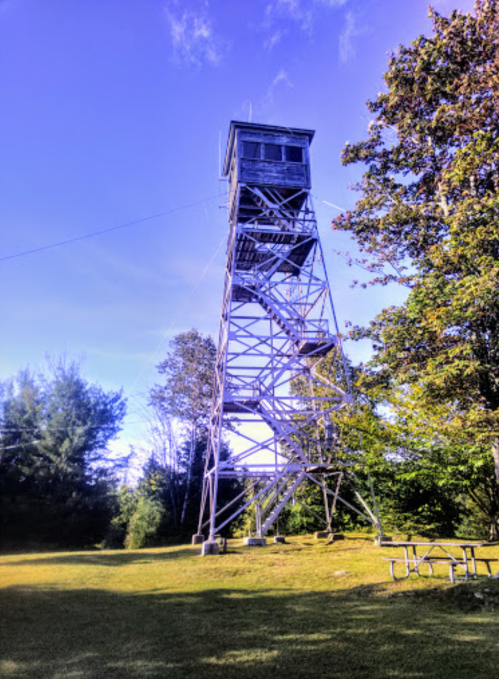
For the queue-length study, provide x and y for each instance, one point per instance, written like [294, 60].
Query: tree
[126, 505]
[164, 458]
[56, 473]
[144, 523]
[178, 434]
[429, 210]
[20, 409]
[435, 453]
[186, 395]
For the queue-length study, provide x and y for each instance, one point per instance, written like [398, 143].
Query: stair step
[282, 503]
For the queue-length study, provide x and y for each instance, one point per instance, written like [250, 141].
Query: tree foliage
[56, 480]
[186, 396]
[189, 372]
[144, 523]
[178, 418]
[428, 218]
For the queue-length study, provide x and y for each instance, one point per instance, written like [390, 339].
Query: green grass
[302, 609]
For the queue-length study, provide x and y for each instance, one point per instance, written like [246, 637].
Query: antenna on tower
[221, 178]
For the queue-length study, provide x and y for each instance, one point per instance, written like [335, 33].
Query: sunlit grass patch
[303, 609]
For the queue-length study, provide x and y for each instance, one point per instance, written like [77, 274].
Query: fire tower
[277, 328]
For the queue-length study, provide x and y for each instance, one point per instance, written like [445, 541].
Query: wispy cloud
[301, 13]
[274, 38]
[350, 31]
[261, 108]
[331, 3]
[281, 80]
[194, 41]
[293, 10]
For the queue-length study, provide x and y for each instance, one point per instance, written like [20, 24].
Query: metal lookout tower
[277, 330]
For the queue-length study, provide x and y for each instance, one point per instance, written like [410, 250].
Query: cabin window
[293, 154]
[251, 149]
[272, 152]
[275, 152]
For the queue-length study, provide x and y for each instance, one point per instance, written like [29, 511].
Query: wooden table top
[463, 545]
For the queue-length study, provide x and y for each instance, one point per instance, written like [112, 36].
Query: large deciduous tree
[177, 443]
[428, 218]
[186, 396]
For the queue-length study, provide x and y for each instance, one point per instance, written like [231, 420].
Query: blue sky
[112, 112]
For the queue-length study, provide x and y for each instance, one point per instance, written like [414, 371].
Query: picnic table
[431, 553]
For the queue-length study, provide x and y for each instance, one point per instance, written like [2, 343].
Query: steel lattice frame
[277, 324]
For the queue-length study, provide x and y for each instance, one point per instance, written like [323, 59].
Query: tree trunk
[495, 454]
[189, 475]
[173, 493]
[494, 532]
[174, 476]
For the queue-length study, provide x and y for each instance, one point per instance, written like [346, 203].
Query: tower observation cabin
[265, 156]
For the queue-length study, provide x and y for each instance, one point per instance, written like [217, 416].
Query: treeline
[60, 486]
[164, 507]
[430, 478]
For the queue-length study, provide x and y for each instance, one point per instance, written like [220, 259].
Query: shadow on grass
[123, 557]
[111, 558]
[236, 634]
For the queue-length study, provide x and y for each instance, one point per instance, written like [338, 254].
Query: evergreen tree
[56, 478]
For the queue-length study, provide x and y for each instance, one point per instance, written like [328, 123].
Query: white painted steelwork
[277, 325]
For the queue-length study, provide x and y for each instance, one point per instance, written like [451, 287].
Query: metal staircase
[280, 504]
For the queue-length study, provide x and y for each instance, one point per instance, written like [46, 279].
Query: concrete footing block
[198, 539]
[209, 548]
[279, 540]
[379, 540]
[321, 534]
[255, 542]
[335, 537]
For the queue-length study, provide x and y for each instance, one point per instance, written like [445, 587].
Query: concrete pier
[209, 548]
[380, 539]
[335, 537]
[255, 542]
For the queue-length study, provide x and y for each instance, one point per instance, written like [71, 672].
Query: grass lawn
[304, 609]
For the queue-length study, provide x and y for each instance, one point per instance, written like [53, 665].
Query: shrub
[144, 524]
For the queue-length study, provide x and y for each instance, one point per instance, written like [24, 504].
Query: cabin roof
[255, 127]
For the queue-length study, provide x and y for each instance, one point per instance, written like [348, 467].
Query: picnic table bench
[427, 556]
